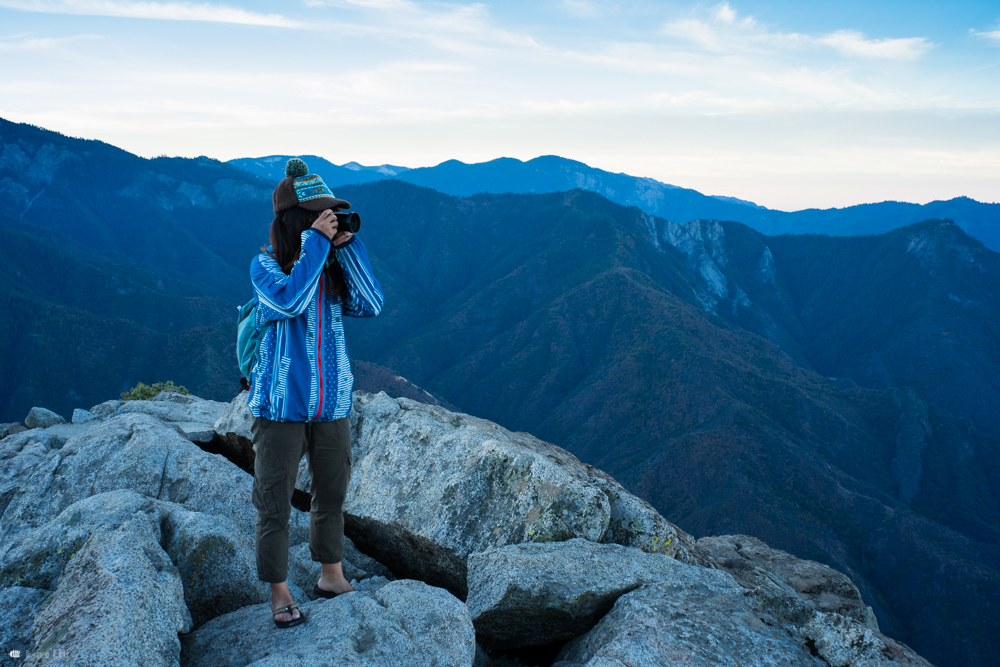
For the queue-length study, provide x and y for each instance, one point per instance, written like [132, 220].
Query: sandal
[319, 592]
[290, 622]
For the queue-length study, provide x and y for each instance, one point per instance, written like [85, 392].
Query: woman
[310, 277]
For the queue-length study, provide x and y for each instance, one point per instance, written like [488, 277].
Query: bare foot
[332, 579]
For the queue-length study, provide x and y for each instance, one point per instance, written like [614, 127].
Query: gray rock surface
[201, 434]
[119, 532]
[216, 562]
[380, 625]
[4, 427]
[702, 617]
[16, 428]
[706, 616]
[842, 642]
[80, 416]
[540, 593]
[233, 426]
[64, 432]
[18, 606]
[431, 487]
[757, 566]
[105, 409]
[20, 454]
[137, 452]
[42, 418]
[171, 407]
[634, 523]
[119, 602]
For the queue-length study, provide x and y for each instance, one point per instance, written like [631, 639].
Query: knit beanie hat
[300, 188]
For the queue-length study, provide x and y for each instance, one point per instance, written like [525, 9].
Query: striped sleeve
[364, 294]
[283, 296]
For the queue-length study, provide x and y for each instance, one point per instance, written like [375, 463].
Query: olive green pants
[280, 446]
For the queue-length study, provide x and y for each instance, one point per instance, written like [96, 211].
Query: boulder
[37, 557]
[16, 428]
[20, 454]
[105, 409]
[704, 616]
[701, 617]
[176, 408]
[381, 624]
[4, 427]
[119, 601]
[431, 487]
[541, 593]
[42, 418]
[757, 566]
[137, 452]
[81, 416]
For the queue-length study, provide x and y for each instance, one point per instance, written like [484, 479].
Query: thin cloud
[990, 35]
[40, 44]
[852, 43]
[723, 31]
[168, 11]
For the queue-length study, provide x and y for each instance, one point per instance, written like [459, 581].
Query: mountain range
[835, 397]
[551, 173]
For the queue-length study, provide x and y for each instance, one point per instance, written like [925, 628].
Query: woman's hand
[327, 224]
[341, 238]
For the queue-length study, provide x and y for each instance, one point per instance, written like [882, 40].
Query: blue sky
[788, 104]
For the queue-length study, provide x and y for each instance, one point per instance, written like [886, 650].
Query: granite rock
[381, 624]
[80, 416]
[542, 593]
[431, 487]
[757, 566]
[42, 418]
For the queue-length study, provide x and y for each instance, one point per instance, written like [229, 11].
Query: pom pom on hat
[295, 168]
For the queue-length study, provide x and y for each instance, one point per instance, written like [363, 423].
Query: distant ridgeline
[838, 398]
[556, 174]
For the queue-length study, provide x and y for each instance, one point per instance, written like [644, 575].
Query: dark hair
[286, 243]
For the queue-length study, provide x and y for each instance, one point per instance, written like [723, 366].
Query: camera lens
[348, 222]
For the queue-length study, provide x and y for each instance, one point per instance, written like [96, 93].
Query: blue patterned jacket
[303, 373]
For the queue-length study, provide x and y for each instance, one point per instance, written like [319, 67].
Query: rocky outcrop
[124, 542]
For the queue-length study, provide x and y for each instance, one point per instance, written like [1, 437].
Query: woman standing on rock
[300, 396]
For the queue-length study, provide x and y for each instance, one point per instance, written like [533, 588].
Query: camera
[348, 222]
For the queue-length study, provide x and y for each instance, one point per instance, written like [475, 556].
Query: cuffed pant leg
[279, 448]
[329, 456]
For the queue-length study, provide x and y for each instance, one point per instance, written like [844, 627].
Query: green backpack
[248, 338]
